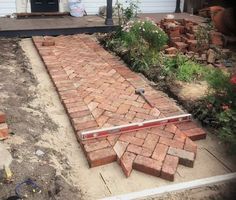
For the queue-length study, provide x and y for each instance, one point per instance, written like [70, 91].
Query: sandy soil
[27, 115]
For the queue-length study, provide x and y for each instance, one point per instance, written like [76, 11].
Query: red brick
[4, 131]
[79, 114]
[2, 117]
[126, 163]
[160, 152]
[146, 152]
[134, 149]
[151, 141]
[186, 125]
[123, 109]
[48, 43]
[96, 145]
[169, 167]
[131, 139]
[86, 125]
[101, 157]
[102, 120]
[162, 133]
[147, 165]
[112, 139]
[170, 128]
[216, 38]
[179, 136]
[190, 146]
[82, 119]
[141, 134]
[186, 158]
[120, 148]
[190, 36]
[172, 143]
[181, 46]
[171, 50]
[195, 133]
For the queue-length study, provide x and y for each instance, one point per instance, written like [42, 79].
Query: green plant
[127, 13]
[183, 69]
[144, 40]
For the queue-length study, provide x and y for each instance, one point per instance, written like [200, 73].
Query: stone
[211, 56]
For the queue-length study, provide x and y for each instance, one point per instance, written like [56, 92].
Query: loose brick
[195, 133]
[160, 152]
[120, 148]
[2, 117]
[172, 143]
[97, 145]
[134, 149]
[186, 125]
[101, 157]
[131, 139]
[147, 165]
[151, 141]
[169, 167]
[126, 163]
[190, 146]
[185, 157]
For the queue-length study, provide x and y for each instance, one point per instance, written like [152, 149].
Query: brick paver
[98, 90]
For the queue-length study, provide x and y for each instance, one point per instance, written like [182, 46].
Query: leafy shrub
[218, 109]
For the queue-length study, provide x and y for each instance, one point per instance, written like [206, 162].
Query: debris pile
[4, 131]
[204, 46]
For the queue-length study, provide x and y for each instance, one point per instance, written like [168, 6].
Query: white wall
[7, 7]
[91, 6]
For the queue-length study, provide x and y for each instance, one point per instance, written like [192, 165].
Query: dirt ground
[29, 121]
[38, 122]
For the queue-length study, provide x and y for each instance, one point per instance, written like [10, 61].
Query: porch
[66, 25]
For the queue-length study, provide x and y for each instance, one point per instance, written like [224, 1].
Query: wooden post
[109, 20]
[177, 9]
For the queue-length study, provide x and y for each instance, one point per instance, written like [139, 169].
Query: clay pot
[224, 22]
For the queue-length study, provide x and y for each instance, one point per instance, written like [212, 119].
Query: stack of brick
[182, 38]
[4, 131]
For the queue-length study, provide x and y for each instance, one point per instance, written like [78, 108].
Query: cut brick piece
[170, 128]
[2, 117]
[160, 152]
[112, 139]
[120, 148]
[190, 146]
[134, 149]
[131, 139]
[101, 157]
[147, 165]
[186, 158]
[195, 133]
[172, 143]
[126, 163]
[151, 141]
[96, 145]
[169, 167]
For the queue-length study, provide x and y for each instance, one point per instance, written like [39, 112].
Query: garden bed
[199, 78]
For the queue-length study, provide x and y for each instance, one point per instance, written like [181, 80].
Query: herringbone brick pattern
[98, 90]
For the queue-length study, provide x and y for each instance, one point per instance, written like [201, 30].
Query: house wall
[7, 7]
[91, 6]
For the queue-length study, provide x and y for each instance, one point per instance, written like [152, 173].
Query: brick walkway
[97, 90]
